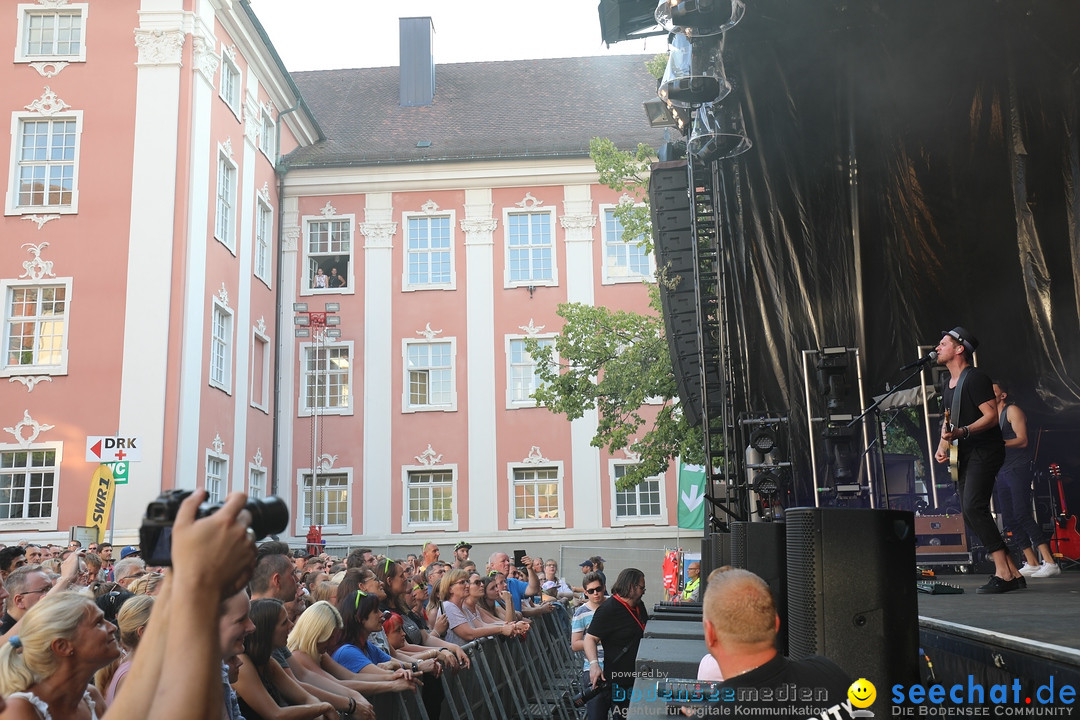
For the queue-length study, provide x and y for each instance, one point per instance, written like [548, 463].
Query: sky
[334, 34]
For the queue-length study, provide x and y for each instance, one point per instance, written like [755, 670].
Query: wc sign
[107, 449]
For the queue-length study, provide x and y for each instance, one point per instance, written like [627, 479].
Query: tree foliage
[617, 361]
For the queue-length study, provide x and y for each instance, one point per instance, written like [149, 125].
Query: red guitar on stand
[1066, 540]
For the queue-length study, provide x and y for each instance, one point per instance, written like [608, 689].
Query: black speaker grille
[738, 544]
[803, 580]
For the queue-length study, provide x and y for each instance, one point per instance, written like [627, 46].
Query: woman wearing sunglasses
[419, 643]
[465, 622]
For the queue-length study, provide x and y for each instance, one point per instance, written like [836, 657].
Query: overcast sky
[331, 34]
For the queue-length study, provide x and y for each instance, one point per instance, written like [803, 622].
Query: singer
[981, 450]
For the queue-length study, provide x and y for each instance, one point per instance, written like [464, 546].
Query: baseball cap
[128, 551]
[962, 336]
[464, 545]
[587, 563]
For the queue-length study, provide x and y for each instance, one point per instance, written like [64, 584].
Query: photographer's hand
[214, 552]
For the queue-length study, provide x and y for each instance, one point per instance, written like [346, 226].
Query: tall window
[430, 496]
[28, 480]
[624, 259]
[221, 334]
[256, 482]
[641, 502]
[530, 248]
[522, 372]
[429, 376]
[35, 329]
[230, 83]
[225, 220]
[46, 34]
[324, 500]
[329, 254]
[536, 494]
[46, 153]
[217, 474]
[264, 233]
[429, 259]
[260, 370]
[327, 378]
[268, 135]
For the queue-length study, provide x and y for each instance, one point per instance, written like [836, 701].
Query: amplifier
[940, 534]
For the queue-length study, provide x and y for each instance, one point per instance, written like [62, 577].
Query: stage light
[763, 439]
[695, 72]
[699, 18]
[626, 20]
[766, 484]
[718, 132]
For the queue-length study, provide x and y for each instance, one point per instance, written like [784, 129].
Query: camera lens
[269, 516]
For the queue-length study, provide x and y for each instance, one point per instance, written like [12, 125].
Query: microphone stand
[875, 408]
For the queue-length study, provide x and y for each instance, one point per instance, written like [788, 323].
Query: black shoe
[1021, 582]
[997, 585]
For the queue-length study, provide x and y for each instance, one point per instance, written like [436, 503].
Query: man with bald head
[740, 632]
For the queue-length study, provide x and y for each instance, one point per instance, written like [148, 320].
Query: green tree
[616, 361]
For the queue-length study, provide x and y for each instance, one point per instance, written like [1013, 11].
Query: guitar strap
[955, 412]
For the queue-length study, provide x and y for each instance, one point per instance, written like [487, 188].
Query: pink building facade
[150, 259]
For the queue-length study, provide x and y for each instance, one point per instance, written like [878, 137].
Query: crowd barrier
[529, 678]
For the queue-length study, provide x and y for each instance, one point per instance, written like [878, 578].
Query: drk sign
[106, 448]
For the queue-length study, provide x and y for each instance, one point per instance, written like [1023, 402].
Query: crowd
[269, 632]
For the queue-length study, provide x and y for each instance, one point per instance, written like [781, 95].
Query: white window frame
[268, 135]
[300, 525]
[607, 279]
[225, 229]
[42, 523]
[406, 406]
[263, 240]
[230, 68]
[25, 10]
[306, 270]
[256, 481]
[407, 525]
[619, 521]
[223, 480]
[263, 392]
[12, 370]
[228, 344]
[406, 285]
[554, 281]
[305, 410]
[12, 206]
[560, 521]
[511, 403]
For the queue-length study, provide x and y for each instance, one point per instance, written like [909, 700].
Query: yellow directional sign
[99, 503]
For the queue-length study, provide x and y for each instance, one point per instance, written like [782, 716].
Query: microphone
[929, 358]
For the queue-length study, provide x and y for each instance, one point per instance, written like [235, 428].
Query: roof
[484, 110]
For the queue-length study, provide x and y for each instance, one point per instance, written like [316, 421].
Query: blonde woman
[311, 638]
[45, 669]
[148, 584]
[132, 619]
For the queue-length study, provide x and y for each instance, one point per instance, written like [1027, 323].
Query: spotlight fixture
[695, 72]
[766, 484]
[699, 18]
[718, 133]
[763, 439]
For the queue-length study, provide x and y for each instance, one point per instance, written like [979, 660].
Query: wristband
[967, 432]
[415, 668]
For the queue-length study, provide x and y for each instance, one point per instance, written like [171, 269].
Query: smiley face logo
[862, 693]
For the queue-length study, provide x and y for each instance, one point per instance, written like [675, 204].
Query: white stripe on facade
[378, 229]
[578, 220]
[479, 227]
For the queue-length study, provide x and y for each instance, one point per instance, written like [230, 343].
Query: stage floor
[1045, 612]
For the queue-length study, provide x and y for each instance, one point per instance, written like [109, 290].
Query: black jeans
[978, 468]
[1014, 501]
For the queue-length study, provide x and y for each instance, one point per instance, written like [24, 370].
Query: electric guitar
[954, 450]
[1066, 536]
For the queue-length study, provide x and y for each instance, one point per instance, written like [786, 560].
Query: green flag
[691, 497]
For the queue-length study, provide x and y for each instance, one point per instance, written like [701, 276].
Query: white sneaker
[1047, 570]
[1028, 570]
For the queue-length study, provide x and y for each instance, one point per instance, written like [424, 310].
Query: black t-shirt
[617, 628]
[978, 388]
[811, 685]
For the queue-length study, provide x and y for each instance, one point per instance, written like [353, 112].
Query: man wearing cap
[981, 449]
[461, 554]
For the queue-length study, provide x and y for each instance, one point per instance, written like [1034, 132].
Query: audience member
[618, 624]
[131, 621]
[597, 707]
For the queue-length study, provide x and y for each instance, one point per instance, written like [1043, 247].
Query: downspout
[281, 169]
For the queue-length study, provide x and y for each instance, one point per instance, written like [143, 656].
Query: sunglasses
[477, 582]
[594, 590]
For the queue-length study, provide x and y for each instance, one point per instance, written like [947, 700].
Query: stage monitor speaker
[899, 474]
[715, 552]
[851, 591]
[760, 547]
